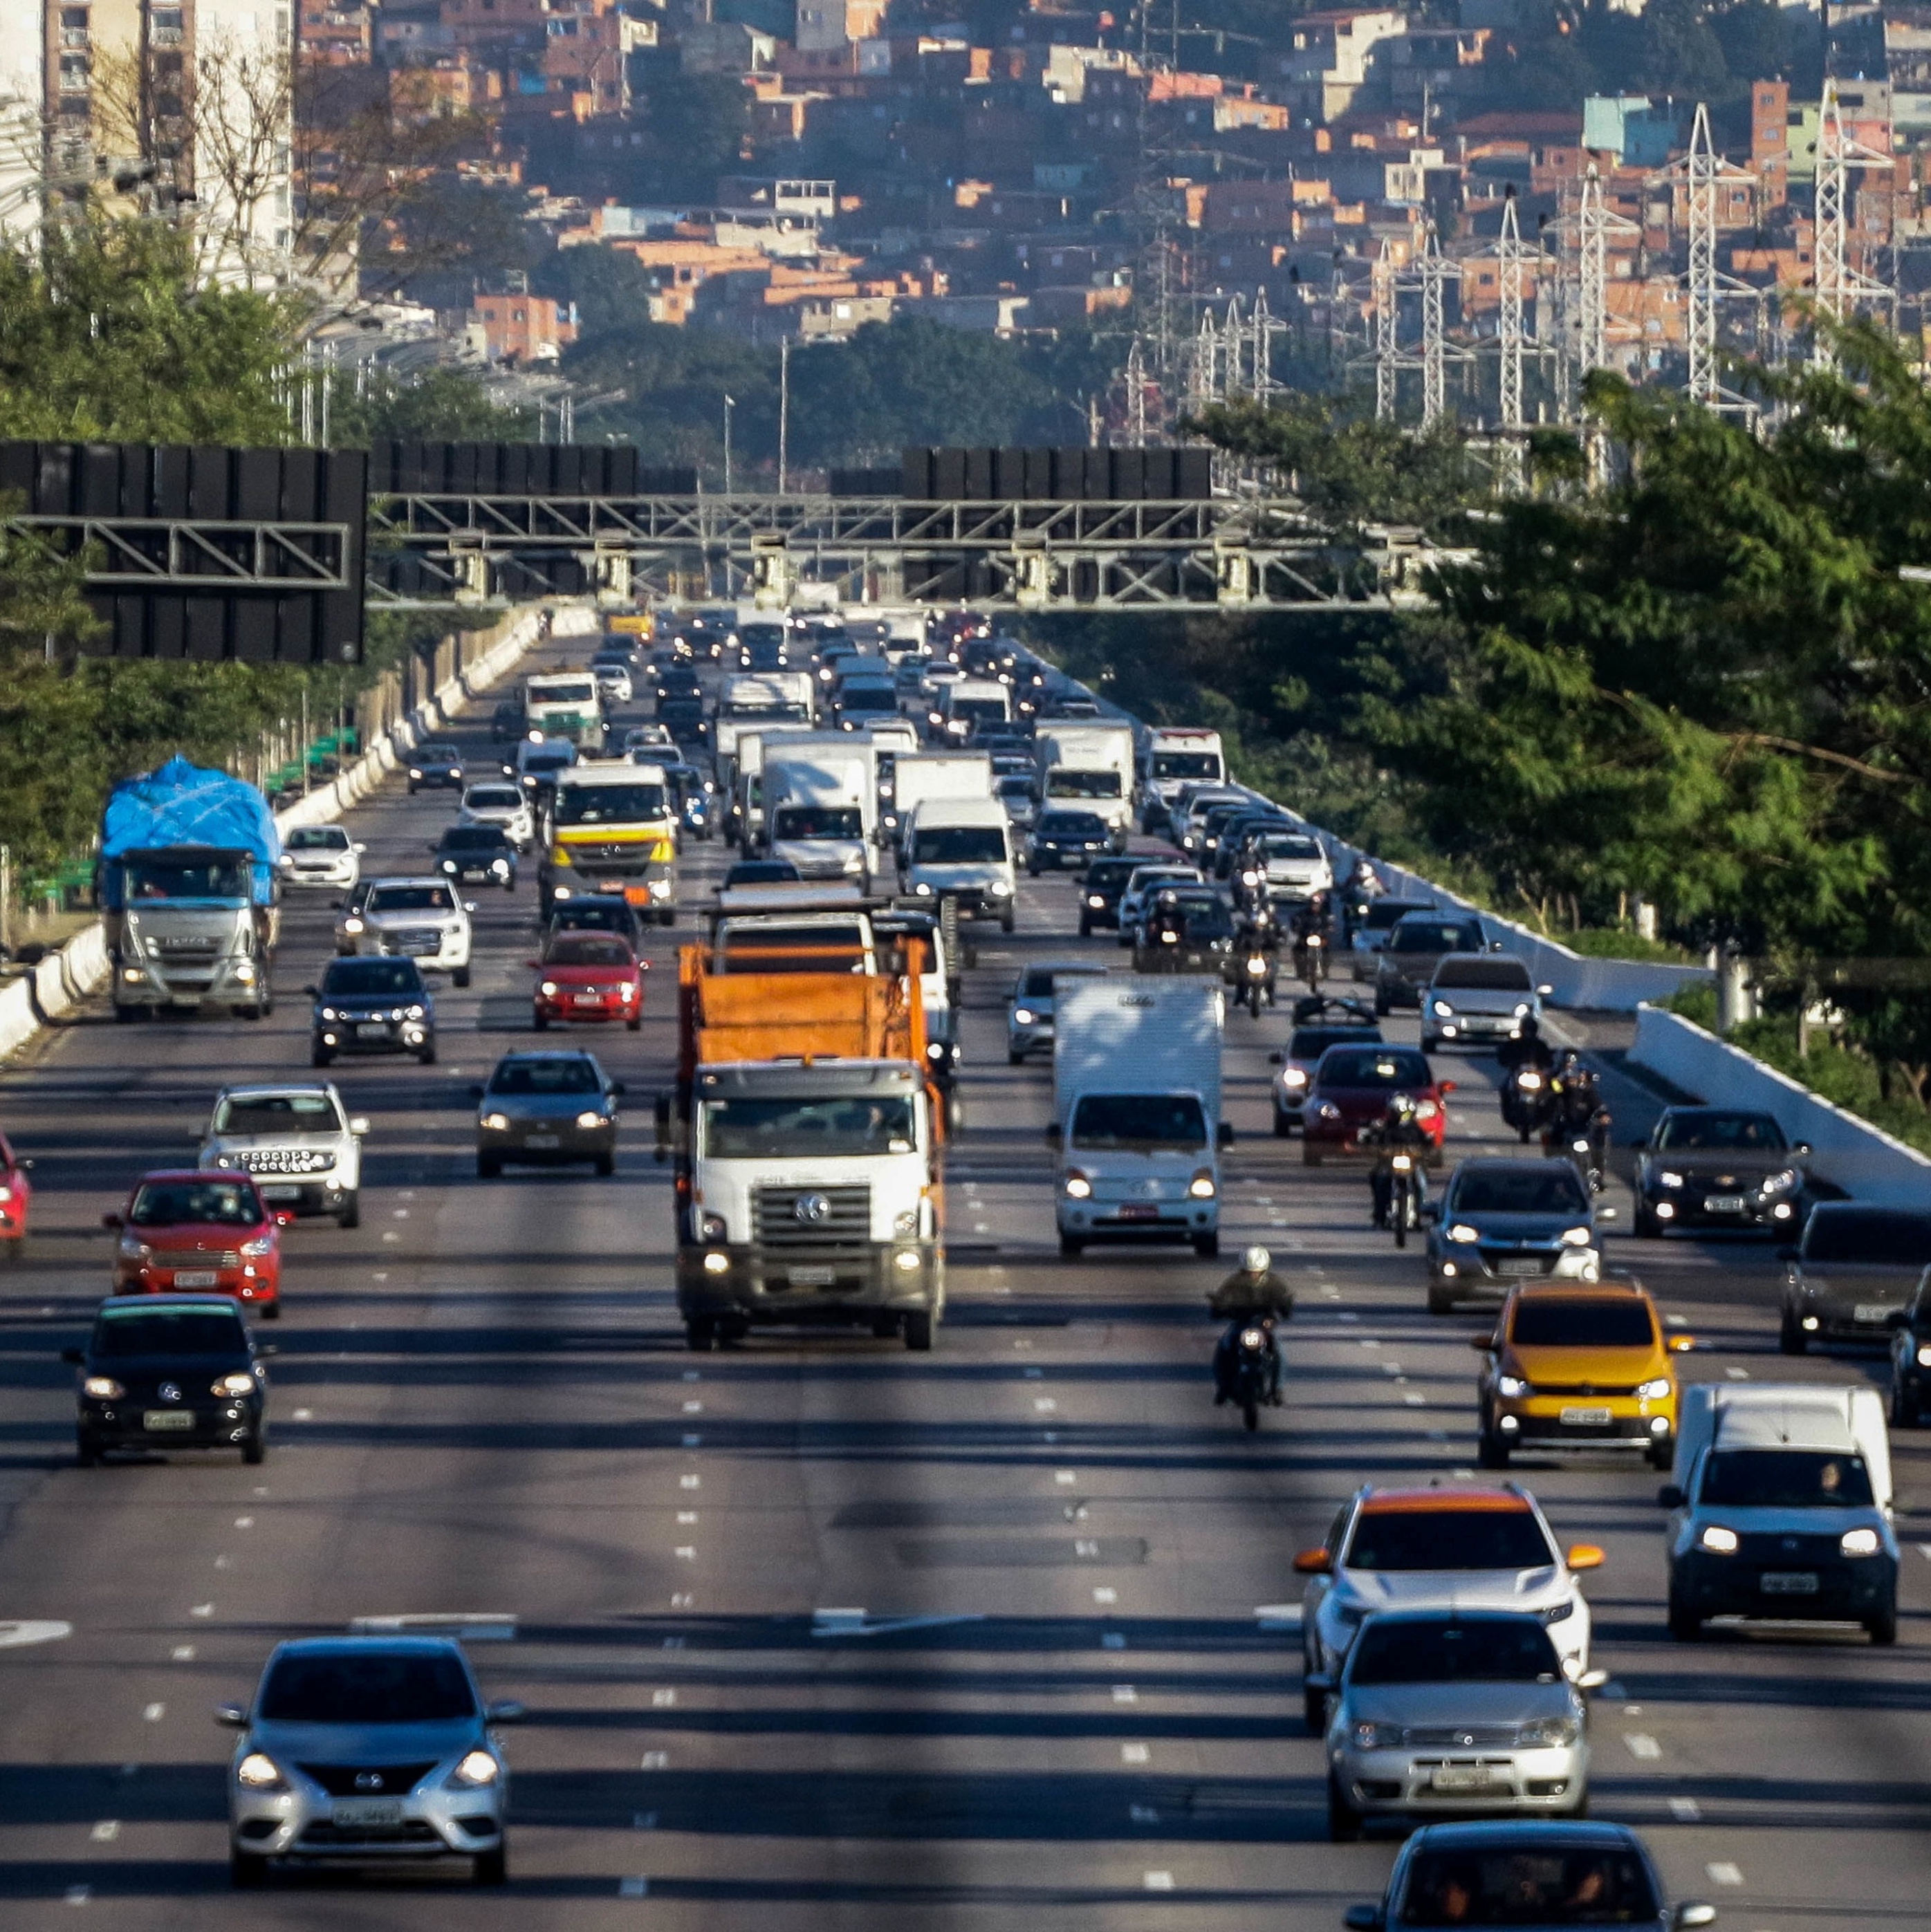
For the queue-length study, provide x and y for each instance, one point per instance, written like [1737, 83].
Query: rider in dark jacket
[1528, 1049]
[1253, 1295]
[1399, 1130]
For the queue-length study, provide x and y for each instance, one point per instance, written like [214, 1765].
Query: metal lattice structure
[1435, 271]
[1705, 171]
[190, 554]
[1387, 363]
[1843, 288]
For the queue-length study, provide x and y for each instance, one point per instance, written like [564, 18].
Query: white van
[961, 849]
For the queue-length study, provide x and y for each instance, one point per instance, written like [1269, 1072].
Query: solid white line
[44, 1631]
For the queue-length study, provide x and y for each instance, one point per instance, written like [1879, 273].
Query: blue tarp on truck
[182, 804]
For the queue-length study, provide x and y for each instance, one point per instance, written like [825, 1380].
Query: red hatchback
[588, 975]
[1351, 1088]
[16, 1196]
[188, 1229]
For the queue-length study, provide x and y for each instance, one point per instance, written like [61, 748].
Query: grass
[1611, 942]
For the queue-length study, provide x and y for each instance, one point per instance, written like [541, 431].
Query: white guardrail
[70, 971]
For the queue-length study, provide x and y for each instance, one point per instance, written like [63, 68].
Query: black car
[1100, 893]
[1066, 839]
[685, 718]
[505, 722]
[594, 912]
[1911, 1359]
[1718, 1167]
[168, 1372]
[435, 768]
[1231, 837]
[380, 1005]
[1202, 942]
[677, 680]
[480, 853]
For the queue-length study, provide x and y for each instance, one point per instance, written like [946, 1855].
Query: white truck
[960, 849]
[744, 824]
[749, 699]
[821, 806]
[919, 776]
[563, 704]
[1087, 766]
[1136, 1110]
[1178, 755]
[969, 702]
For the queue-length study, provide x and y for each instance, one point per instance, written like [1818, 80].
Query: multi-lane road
[816, 1633]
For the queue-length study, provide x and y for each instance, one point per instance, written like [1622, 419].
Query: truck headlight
[711, 1228]
[716, 1264]
[1859, 1542]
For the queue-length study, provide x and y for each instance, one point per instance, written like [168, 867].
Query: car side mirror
[508, 1711]
[618, 1087]
[1693, 1912]
[1681, 1345]
[476, 1090]
[1670, 1496]
[1544, 992]
[1431, 1210]
[110, 1220]
[75, 1356]
[1224, 1136]
[358, 1124]
[282, 1218]
[1586, 1556]
[314, 993]
[359, 849]
[1315, 1562]
[1362, 1918]
[1052, 1133]
[1276, 1059]
[1800, 1146]
[231, 1717]
[1592, 1680]
[469, 905]
[1607, 1214]
[1482, 1344]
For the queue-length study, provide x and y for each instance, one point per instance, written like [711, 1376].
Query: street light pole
[784, 407]
[729, 401]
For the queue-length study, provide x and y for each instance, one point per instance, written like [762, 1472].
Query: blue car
[379, 1005]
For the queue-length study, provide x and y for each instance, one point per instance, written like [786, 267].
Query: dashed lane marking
[105, 1831]
[1642, 1745]
[1685, 1810]
[1723, 1873]
[1135, 1754]
[1159, 1881]
[1125, 1693]
[12, 1636]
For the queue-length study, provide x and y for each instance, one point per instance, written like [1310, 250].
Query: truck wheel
[1071, 1247]
[918, 1330]
[350, 1215]
[1207, 1245]
[460, 977]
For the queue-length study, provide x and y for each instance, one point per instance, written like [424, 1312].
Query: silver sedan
[1443, 1713]
[541, 1109]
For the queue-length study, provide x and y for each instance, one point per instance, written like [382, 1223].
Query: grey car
[1502, 1220]
[1418, 943]
[367, 1750]
[545, 1109]
[1478, 998]
[1029, 1013]
[1852, 1276]
[1448, 1712]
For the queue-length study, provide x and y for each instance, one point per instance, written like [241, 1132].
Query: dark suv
[380, 1005]
[1417, 946]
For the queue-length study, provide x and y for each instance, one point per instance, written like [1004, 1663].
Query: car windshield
[1449, 1539]
[437, 754]
[410, 899]
[178, 879]
[278, 1114]
[1102, 1121]
[1430, 935]
[132, 1330]
[318, 838]
[371, 1687]
[1544, 1885]
[1289, 845]
[1785, 1479]
[548, 757]
[764, 1127]
[1382, 914]
[959, 845]
[1143, 879]
[1207, 919]
[589, 953]
[855, 697]
[474, 838]
[1362, 1067]
[1108, 875]
[1582, 1322]
[817, 821]
[1490, 1650]
[1082, 785]
[1720, 1133]
[354, 979]
[608, 804]
[1872, 1235]
[181, 1203]
[1186, 765]
[1549, 1188]
[1071, 825]
[1485, 971]
[563, 1075]
[493, 798]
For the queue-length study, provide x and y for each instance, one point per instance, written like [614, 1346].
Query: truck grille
[285, 1160]
[810, 1217]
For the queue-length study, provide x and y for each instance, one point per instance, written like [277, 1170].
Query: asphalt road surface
[815, 1632]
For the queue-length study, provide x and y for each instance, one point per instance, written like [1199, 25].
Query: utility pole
[1512, 258]
[730, 402]
[1592, 277]
[1842, 288]
[784, 407]
[1703, 166]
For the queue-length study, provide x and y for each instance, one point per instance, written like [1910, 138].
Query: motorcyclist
[1525, 1112]
[1252, 1296]
[1579, 1111]
[1168, 916]
[1310, 923]
[1528, 1049]
[1399, 1130]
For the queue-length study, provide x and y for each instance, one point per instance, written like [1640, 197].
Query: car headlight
[448, 864]
[416, 1013]
[1521, 1012]
[1924, 1357]
[1559, 1612]
[353, 924]
[1201, 1187]
[234, 1385]
[1093, 900]
[999, 889]
[1427, 1110]
[1718, 1540]
[1023, 1016]
[500, 867]
[1670, 1180]
[1579, 1237]
[478, 1767]
[1294, 1076]
[134, 1249]
[103, 1388]
[1462, 1231]
[260, 1772]
[589, 1118]
[1529, 1080]
[1859, 1542]
[416, 771]
[548, 989]
[330, 1013]
[1367, 1736]
[1781, 1183]
[1653, 1391]
[1078, 1187]
[495, 1123]
[1441, 1009]
[1512, 1388]
[262, 1244]
[1327, 1111]
[1544, 1732]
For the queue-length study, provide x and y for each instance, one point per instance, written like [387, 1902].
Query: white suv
[421, 919]
[503, 805]
[304, 1152]
[320, 855]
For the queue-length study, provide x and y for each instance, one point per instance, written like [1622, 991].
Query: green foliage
[40, 594]
[440, 405]
[1616, 942]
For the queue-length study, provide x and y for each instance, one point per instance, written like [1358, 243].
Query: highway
[815, 1632]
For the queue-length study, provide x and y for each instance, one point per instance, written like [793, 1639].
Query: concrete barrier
[1863, 1160]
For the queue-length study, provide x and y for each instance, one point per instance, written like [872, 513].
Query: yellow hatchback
[1578, 1366]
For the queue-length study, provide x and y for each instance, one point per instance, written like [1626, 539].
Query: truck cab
[821, 806]
[613, 828]
[188, 932]
[563, 704]
[969, 703]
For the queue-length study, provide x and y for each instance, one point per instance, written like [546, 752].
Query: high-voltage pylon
[1513, 257]
[1263, 325]
[1387, 363]
[1434, 271]
[1704, 172]
[1843, 288]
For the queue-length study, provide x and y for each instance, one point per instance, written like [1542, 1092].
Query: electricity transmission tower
[1843, 288]
[1705, 171]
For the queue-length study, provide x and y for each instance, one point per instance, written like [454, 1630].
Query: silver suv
[294, 1137]
[422, 919]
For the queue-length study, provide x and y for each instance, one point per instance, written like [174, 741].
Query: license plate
[195, 1277]
[587, 999]
[1460, 1777]
[1722, 1203]
[811, 1277]
[367, 1811]
[282, 1194]
[1789, 1582]
[542, 1140]
[1135, 1211]
[1529, 1265]
[158, 1421]
[372, 1030]
[1873, 1311]
[1587, 1418]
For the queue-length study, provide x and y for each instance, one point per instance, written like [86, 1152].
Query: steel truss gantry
[182, 553]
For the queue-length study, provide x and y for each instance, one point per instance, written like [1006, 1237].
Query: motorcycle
[1527, 1101]
[1246, 1376]
[1404, 1196]
[1257, 985]
[1311, 958]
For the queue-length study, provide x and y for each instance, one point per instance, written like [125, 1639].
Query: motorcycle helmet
[1531, 1027]
[1403, 1107]
[1256, 1260]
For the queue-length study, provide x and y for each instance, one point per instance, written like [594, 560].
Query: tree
[440, 405]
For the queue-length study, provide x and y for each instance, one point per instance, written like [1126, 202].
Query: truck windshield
[819, 821]
[278, 1114]
[1082, 785]
[200, 879]
[769, 1128]
[609, 805]
[867, 698]
[1183, 765]
[577, 692]
[1138, 1121]
[959, 845]
[1786, 1479]
[980, 710]
[767, 710]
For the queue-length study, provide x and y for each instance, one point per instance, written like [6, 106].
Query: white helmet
[1256, 1260]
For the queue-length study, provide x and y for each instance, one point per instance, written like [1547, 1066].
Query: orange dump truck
[806, 1138]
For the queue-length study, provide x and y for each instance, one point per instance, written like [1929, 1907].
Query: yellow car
[1575, 1365]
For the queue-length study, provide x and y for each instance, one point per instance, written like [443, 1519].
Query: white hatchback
[320, 855]
[502, 805]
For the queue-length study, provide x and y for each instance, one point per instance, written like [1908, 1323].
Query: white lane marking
[1135, 1754]
[40, 1630]
[693, 1441]
[688, 1483]
[1278, 1616]
[633, 1888]
[78, 1895]
[224, 1563]
[693, 1408]
[656, 1761]
[1159, 1881]
[1738, 1375]
[1676, 1321]
[686, 1552]
[1105, 1593]
[1438, 1436]
[1391, 1368]
[1642, 1745]
[105, 1831]
[1051, 1435]
[1044, 1404]
[858, 1623]
[401, 1213]
[683, 1599]
[1347, 1315]
[245, 1523]
[1068, 1476]
[1125, 1693]
[1685, 1810]
[663, 1699]
[1723, 1873]
[382, 1274]
[1415, 1401]
[1924, 1550]
[468, 1626]
[201, 1610]
[184, 1653]
[301, 1415]
[390, 1235]
[1370, 1342]
[1112, 1640]
[687, 1516]
[154, 1713]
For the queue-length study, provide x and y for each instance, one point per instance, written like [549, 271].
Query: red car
[189, 1229]
[588, 975]
[1352, 1088]
[17, 1195]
